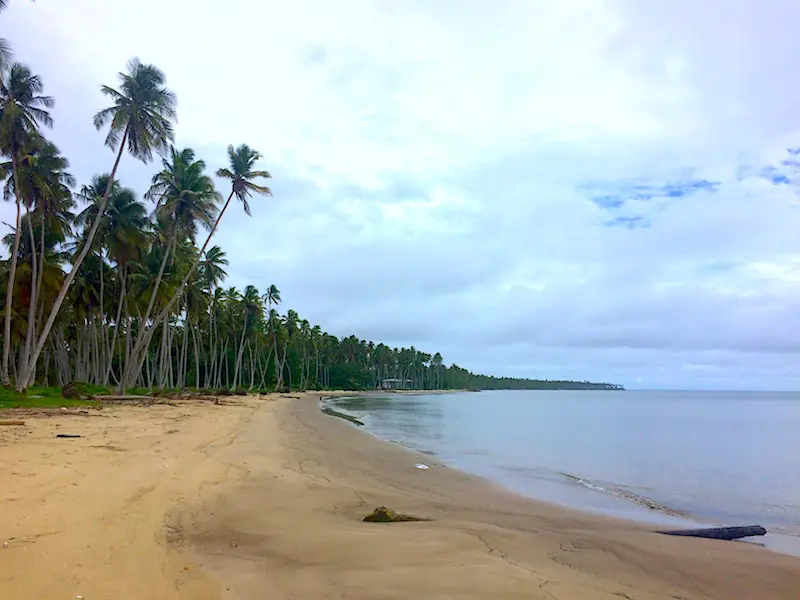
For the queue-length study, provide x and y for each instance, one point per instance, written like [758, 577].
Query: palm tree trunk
[104, 357]
[196, 358]
[185, 360]
[123, 276]
[240, 353]
[25, 380]
[223, 363]
[153, 292]
[39, 295]
[11, 275]
[209, 357]
[252, 365]
[227, 370]
[31, 329]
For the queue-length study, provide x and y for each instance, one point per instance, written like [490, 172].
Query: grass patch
[38, 397]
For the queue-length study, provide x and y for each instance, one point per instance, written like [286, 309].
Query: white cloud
[434, 165]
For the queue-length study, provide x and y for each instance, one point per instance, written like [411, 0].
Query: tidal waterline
[728, 458]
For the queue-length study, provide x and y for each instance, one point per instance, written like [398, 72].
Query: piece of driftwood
[4, 423]
[720, 533]
[67, 435]
[123, 398]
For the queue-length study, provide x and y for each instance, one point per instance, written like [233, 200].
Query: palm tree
[185, 197]
[212, 272]
[290, 328]
[251, 309]
[141, 120]
[212, 267]
[122, 233]
[22, 109]
[272, 296]
[45, 189]
[241, 173]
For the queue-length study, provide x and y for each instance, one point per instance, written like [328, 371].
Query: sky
[583, 189]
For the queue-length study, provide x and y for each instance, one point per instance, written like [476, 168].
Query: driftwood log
[720, 533]
[124, 398]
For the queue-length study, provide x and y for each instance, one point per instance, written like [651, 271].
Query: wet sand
[292, 529]
[264, 499]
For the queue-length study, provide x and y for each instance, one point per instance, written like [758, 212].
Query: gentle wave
[624, 494]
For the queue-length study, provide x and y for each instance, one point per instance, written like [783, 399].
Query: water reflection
[410, 420]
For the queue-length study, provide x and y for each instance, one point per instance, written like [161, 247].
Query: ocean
[668, 458]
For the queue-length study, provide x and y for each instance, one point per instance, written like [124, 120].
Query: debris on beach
[387, 515]
[335, 413]
[12, 423]
[720, 533]
[67, 435]
[421, 466]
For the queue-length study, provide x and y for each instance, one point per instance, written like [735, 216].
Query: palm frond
[259, 189]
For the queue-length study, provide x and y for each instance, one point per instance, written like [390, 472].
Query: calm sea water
[666, 457]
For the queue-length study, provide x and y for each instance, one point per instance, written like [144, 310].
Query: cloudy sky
[598, 189]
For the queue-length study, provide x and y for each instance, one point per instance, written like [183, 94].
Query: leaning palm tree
[241, 172]
[212, 272]
[45, 189]
[185, 198]
[122, 233]
[22, 109]
[141, 120]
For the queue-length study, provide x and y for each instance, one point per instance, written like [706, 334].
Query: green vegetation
[38, 397]
[112, 288]
[487, 382]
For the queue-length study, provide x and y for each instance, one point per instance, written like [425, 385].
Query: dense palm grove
[109, 288]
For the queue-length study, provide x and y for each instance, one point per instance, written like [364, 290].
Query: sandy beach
[262, 497]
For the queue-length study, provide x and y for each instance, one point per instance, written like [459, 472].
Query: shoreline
[263, 497]
[292, 528]
[632, 507]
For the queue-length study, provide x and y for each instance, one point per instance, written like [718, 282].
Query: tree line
[106, 287]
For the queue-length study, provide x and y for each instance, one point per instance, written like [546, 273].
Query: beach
[262, 497]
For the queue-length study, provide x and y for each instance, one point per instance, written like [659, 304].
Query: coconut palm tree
[212, 272]
[140, 120]
[22, 110]
[185, 198]
[122, 234]
[241, 173]
[251, 309]
[45, 189]
[212, 267]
